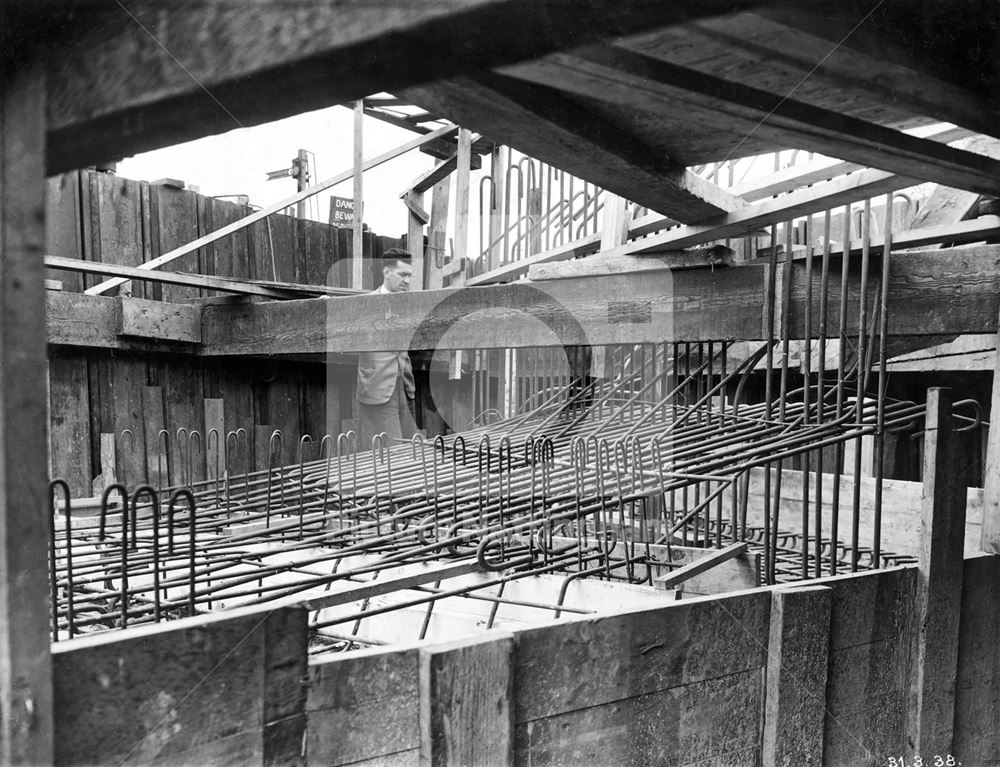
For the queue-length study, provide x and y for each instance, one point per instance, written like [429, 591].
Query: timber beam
[147, 75]
[542, 123]
[931, 292]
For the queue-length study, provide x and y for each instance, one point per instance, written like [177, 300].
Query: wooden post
[797, 658]
[357, 249]
[466, 708]
[498, 169]
[25, 659]
[462, 171]
[931, 712]
[415, 237]
[436, 233]
[990, 534]
[534, 221]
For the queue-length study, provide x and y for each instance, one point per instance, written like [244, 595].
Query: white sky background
[237, 162]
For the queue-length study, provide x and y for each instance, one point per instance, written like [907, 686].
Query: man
[385, 387]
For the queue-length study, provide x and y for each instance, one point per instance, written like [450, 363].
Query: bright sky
[237, 162]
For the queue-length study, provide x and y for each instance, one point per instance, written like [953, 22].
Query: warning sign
[341, 211]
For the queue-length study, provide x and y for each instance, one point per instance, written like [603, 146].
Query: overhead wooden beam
[936, 292]
[143, 75]
[26, 719]
[626, 78]
[542, 123]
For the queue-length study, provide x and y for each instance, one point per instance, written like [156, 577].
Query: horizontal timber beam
[626, 78]
[542, 123]
[140, 76]
[930, 292]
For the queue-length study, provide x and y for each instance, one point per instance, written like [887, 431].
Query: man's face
[396, 278]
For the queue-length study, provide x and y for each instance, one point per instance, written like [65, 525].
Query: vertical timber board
[286, 254]
[69, 422]
[437, 232]
[159, 466]
[990, 540]
[462, 171]
[123, 407]
[283, 404]
[415, 240]
[686, 685]
[177, 215]
[236, 390]
[466, 709]
[939, 583]
[25, 660]
[314, 397]
[231, 254]
[797, 659]
[62, 225]
[120, 234]
[977, 692]
[462, 406]
[182, 386]
[150, 239]
[869, 669]
[214, 419]
[364, 706]
[221, 690]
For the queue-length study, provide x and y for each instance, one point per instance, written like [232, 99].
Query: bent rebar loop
[218, 454]
[131, 449]
[276, 437]
[326, 450]
[188, 497]
[60, 484]
[432, 521]
[454, 474]
[190, 453]
[484, 498]
[246, 462]
[182, 450]
[379, 450]
[233, 437]
[305, 439]
[130, 518]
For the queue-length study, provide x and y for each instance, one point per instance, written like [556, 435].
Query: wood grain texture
[115, 91]
[541, 122]
[69, 422]
[977, 691]
[159, 320]
[466, 709]
[364, 707]
[710, 722]
[797, 657]
[223, 690]
[869, 668]
[637, 652]
[931, 712]
[25, 665]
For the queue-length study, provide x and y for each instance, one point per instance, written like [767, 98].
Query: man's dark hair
[392, 255]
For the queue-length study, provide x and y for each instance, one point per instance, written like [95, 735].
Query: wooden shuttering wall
[813, 675]
[97, 394]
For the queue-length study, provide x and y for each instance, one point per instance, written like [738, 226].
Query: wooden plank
[977, 690]
[141, 696]
[26, 726]
[63, 228]
[181, 381]
[653, 648]
[677, 577]
[163, 101]
[990, 540]
[709, 722]
[693, 258]
[158, 320]
[177, 218]
[460, 250]
[415, 236]
[541, 122]
[466, 713]
[69, 422]
[797, 659]
[620, 76]
[222, 284]
[364, 706]
[869, 668]
[159, 466]
[119, 219]
[931, 713]
[260, 215]
[436, 235]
